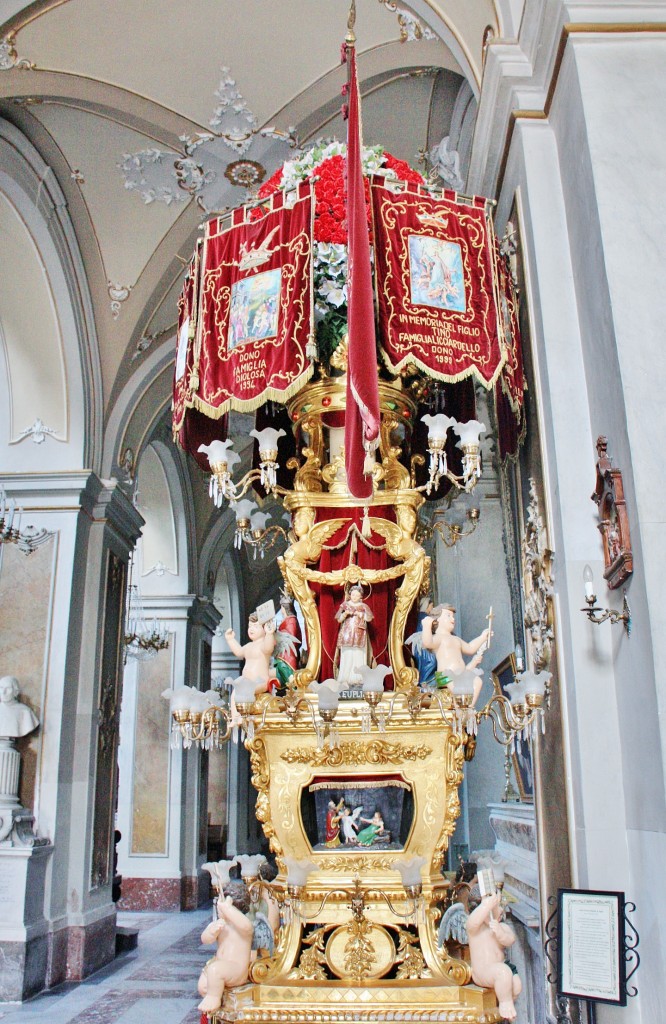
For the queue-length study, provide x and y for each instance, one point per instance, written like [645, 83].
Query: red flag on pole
[362, 404]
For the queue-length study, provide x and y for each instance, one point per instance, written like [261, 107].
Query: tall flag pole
[362, 404]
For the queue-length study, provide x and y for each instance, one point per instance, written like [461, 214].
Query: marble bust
[16, 719]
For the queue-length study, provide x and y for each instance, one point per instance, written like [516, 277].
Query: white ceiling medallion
[164, 176]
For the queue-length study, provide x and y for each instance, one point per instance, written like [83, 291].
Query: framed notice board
[592, 946]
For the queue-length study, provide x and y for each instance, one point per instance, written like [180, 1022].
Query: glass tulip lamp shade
[258, 522]
[373, 678]
[221, 461]
[517, 694]
[297, 875]
[327, 695]
[470, 442]
[463, 686]
[438, 427]
[243, 510]
[250, 864]
[410, 872]
[267, 440]
[535, 686]
[244, 689]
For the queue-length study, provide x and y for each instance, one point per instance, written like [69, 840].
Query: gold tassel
[366, 529]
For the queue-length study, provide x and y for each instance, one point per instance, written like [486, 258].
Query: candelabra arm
[498, 709]
[387, 900]
[597, 615]
[260, 538]
[208, 719]
[243, 486]
[327, 896]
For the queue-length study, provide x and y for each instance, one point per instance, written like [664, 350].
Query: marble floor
[153, 984]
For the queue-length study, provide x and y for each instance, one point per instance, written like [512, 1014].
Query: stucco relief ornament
[38, 432]
[538, 585]
[411, 29]
[118, 293]
[199, 170]
[9, 58]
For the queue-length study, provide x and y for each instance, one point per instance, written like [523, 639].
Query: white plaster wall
[589, 193]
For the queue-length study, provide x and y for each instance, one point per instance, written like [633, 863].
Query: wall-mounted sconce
[598, 615]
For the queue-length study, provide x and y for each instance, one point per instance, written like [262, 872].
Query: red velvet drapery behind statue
[345, 546]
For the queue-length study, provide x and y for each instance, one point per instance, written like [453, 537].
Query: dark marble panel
[90, 947]
[190, 892]
[162, 894]
[56, 972]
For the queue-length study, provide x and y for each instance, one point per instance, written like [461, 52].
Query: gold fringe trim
[516, 407]
[251, 405]
[446, 378]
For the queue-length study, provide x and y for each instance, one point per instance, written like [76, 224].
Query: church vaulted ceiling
[152, 114]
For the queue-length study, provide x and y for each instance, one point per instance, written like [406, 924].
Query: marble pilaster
[150, 805]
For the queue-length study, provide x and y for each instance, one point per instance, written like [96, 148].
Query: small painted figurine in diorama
[233, 933]
[257, 652]
[348, 825]
[488, 939]
[438, 636]
[374, 830]
[333, 815]
[353, 646]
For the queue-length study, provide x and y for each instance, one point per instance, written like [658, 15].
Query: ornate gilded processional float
[263, 328]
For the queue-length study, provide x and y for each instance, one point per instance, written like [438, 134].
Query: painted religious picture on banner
[254, 307]
[436, 273]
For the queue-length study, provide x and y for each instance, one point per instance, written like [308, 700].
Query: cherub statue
[488, 937]
[233, 932]
[352, 647]
[438, 636]
[16, 718]
[257, 652]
